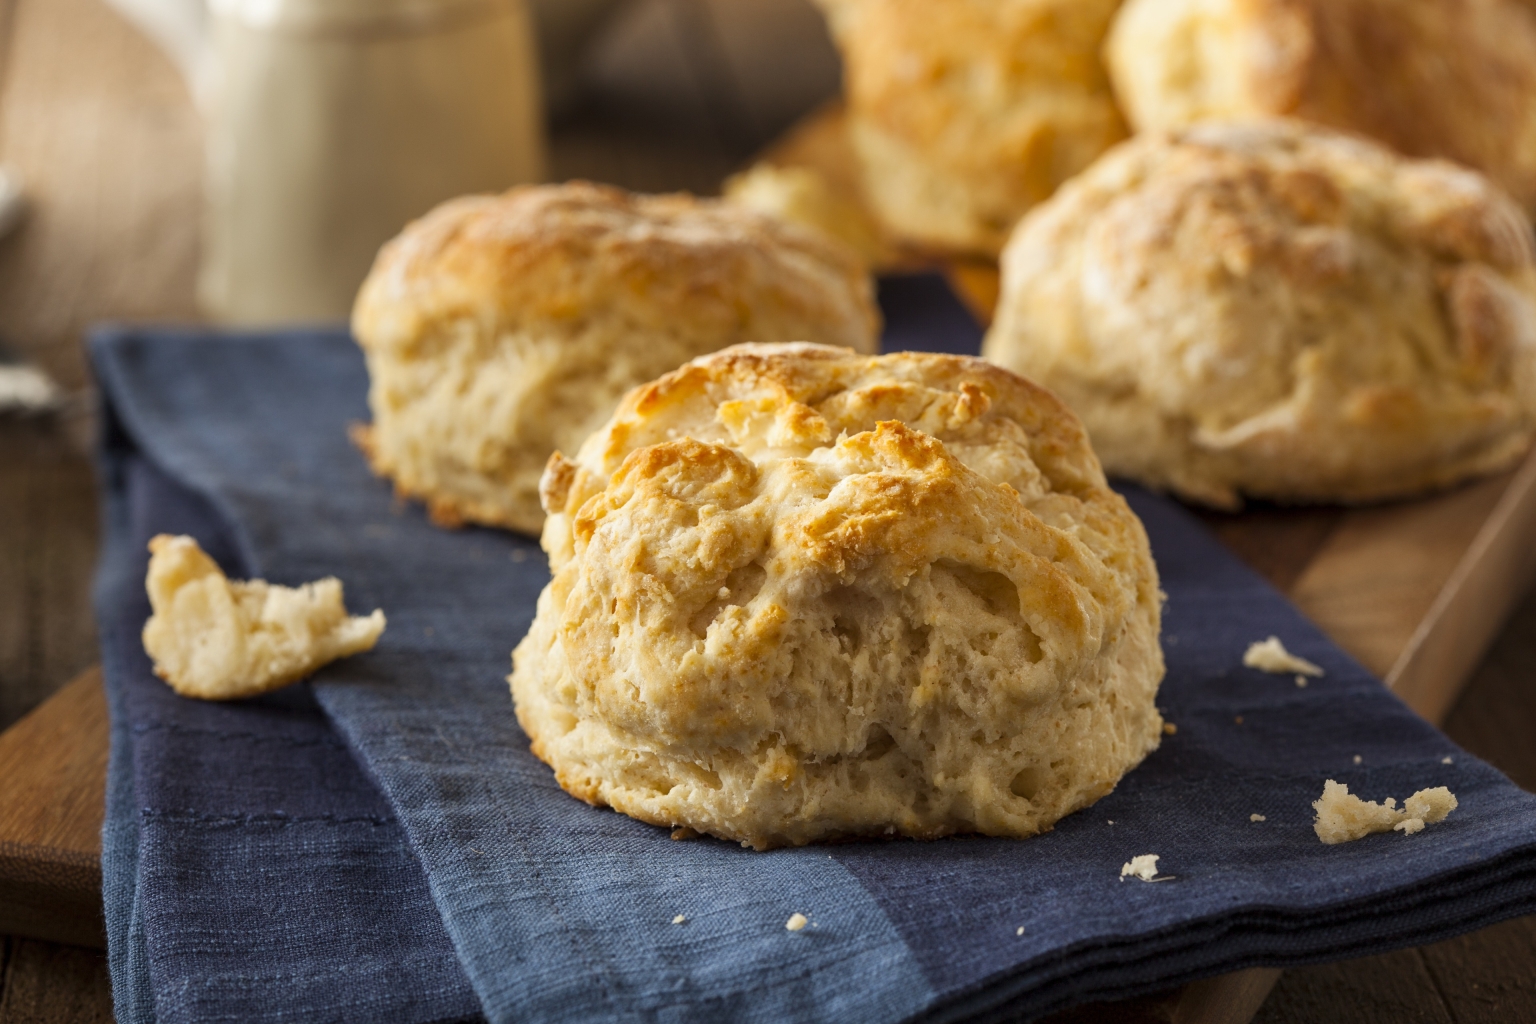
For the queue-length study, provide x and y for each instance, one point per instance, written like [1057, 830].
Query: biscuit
[802, 594]
[1431, 78]
[803, 195]
[964, 114]
[500, 328]
[217, 639]
[1276, 309]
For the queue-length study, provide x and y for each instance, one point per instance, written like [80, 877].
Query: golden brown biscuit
[965, 113]
[499, 328]
[1431, 78]
[1275, 309]
[800, 593]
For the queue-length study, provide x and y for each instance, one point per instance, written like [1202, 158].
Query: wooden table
[102, 130]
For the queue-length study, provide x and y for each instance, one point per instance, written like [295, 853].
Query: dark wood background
[676, 94]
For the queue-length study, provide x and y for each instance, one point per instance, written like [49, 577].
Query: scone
[802, 594]
[500, 328]
[1278, 310]
[965, 113]
[1431, 78]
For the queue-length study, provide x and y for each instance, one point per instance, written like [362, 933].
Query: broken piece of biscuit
[1343, 817]
[219, 639]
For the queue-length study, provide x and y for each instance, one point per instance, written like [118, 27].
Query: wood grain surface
[55, 761]
[47, 548]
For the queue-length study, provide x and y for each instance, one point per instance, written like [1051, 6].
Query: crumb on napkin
[1143, 867]
[1343, 817]
[1257, 817]
[219, 639]
[1271, 656]
[1169, 729]
[796, 921]
[679, 919]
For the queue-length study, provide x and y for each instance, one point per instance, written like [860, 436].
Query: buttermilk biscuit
[966, 113]
[1275, 309]
[802, 195]
[1431, 78]
[219, 639]
[801, 594]
[499, 328]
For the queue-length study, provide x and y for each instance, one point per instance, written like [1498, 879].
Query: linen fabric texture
[380, 844]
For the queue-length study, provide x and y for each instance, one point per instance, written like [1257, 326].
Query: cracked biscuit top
[802, 594]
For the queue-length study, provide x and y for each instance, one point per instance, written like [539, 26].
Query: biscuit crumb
[1301, 681]
[1169, 728]
[1446, 760]
[1143, 867]
[1257, 817]
[1342, 817]
[679, 919]
[1020, 931]
[214, 638]
[683, 832]
[1358, 759]
[1238, 719]
[796, 922]
[1271, 656]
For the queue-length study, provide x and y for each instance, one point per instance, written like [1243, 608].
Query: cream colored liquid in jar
[331, 123]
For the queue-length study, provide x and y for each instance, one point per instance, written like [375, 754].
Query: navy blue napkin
[247, 856]
[561, 912]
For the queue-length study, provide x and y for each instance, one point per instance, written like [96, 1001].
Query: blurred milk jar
[331, 123]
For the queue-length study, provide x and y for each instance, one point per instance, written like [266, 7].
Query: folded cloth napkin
[561, 912]
[246, 855]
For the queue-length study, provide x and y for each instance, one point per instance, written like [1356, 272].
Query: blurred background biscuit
[1430, 78]
[500, 328]
[966, 113]
[1275, 309]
